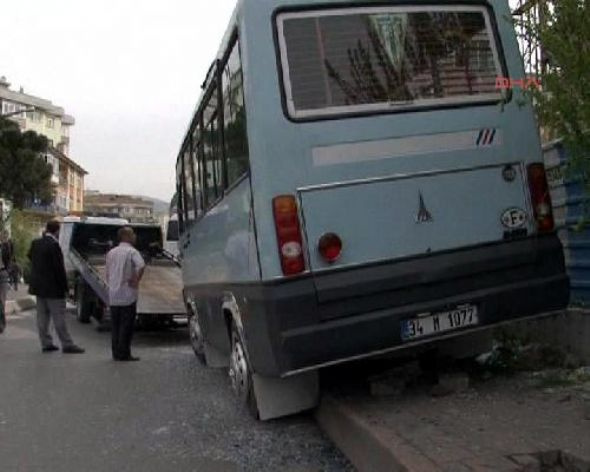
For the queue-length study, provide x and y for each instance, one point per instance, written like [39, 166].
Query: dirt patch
[549, 461]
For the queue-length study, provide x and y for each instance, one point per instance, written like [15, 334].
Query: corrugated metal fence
[569, 203]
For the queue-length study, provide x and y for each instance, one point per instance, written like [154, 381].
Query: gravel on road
[85, 412]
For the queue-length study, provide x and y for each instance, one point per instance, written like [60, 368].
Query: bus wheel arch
[240, 368]
[232, 317]
[196, 336]
[240, 372]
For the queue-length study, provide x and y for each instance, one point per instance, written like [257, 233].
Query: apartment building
[68, 178]
[42, 116]
[134, 209]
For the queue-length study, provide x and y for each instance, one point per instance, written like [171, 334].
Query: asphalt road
[66, 413]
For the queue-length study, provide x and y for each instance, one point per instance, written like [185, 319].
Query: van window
[65, 235]
[172, 233]
[234, 116]
[380, 58]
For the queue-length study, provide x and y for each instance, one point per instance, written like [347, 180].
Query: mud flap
[278, 397]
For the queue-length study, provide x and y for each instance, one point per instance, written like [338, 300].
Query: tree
[24, 229]
[563, 103]
[25, 177]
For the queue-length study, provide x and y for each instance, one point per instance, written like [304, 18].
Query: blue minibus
[354, 183]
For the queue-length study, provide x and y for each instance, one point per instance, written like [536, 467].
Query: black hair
[52, 226]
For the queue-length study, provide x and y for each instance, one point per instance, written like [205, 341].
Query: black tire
[2, 319]
[85, 303]
[242, 383]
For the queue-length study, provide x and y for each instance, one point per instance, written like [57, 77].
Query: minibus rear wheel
[240, 372]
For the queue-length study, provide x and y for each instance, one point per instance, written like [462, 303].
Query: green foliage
[24, 176]
[563, 104]
[25, 228]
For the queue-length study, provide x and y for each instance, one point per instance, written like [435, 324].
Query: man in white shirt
[124, 271]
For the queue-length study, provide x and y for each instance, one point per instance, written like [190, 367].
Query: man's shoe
[129, 359]
[73, 350]
[50, 348]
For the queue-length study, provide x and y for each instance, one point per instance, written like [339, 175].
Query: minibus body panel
[306, 154]
[403, 216]
[432, 205]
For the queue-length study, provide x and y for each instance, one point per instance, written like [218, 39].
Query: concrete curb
[11, 307]
[21, 304]
[368, 446]
[26, 303]
[371, 447]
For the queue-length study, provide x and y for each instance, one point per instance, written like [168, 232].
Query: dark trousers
[122, 325]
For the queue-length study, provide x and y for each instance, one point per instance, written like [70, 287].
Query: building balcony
[51, 209]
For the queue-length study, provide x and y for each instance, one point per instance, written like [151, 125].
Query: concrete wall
[568, 330]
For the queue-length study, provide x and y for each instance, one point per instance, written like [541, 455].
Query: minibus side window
[180, 194]
[189, 202]
[234, 117]
[212, 156]
[195, 145]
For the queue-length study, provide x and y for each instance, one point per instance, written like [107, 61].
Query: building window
[50, 124]
[8, 107]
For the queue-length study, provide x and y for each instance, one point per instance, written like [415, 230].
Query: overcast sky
[129, 72]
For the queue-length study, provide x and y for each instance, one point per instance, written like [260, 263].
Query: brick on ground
[483, 428]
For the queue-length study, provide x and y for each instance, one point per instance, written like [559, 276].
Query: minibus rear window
[386, 58]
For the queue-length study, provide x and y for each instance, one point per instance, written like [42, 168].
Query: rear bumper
[307, 323]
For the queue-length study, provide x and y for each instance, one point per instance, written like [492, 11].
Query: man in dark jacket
[7, 262]
[49, 284]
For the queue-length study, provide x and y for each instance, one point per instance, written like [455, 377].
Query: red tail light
[288, 234]
[330, 247]
[540, 198]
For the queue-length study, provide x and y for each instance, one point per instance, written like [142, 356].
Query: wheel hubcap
[196, 335]
[238, 371]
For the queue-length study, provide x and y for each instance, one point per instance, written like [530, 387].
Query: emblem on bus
[514, 218]
[423, 215]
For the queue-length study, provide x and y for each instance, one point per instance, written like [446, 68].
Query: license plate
[429, 324]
